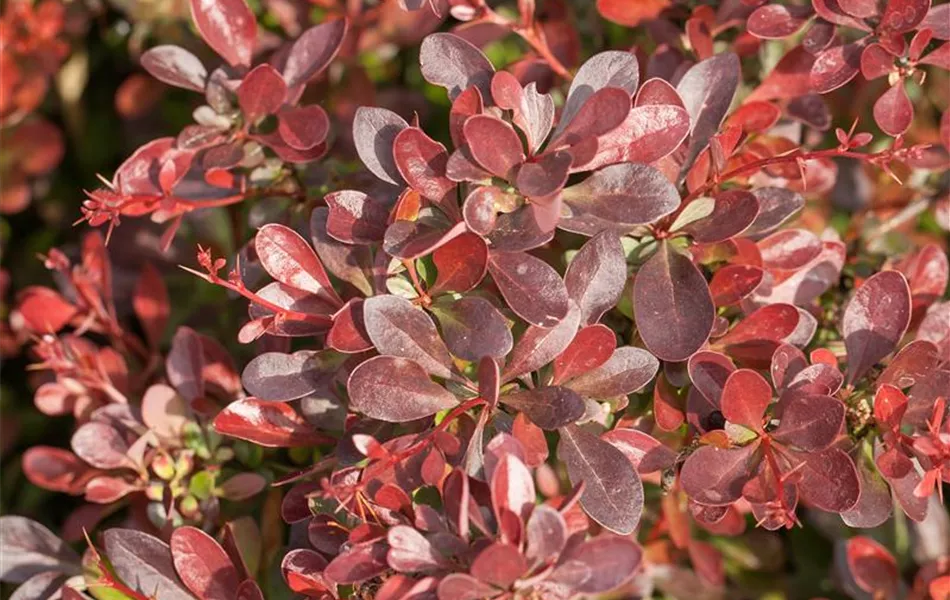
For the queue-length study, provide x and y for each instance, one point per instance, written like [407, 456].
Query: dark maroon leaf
[893, 111]
[421, 162]
[715, 476]
[830, 481]
[229, 27]
[672, 306]
[538, 346]
[613, 494]
[144, 563]
[355, 218]
[202, 564]
[548, 407]
[399, 329]
[627, 371]
[608, 561]
[810, 423]
[775, 21]
[313, 51]
[261, 93]
[531, 287]
[374, 132]
[396, 390]
[732, 213]
[175, 66]
[358, 562]
[874, 321]
[270, 424]
[707, 90]
[646, 453]
[303, 571]
[303, 128]
[596, 276]
[453, 63]
[473, 328]
[544, 176]
[30, 548]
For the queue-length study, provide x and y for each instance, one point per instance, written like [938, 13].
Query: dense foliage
[489, 300]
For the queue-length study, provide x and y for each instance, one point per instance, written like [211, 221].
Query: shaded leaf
[531, 287]
[473, 328]
[596, 276]
[548, 407]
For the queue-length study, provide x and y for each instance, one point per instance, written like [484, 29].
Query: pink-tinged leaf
[144, 563]
[494, 145]
[29, 548]
[773, 322]
[613, 494]
[893, 111]
[913, 363]
[473, 328]
[647, 134]
[289, 259]
[830, 481]
[927, 272]
[303, 571]
[596, 276]
[421, 162]
[831, 11]
[410, 240]
[531, 287]
[627, 371]
[355, 218]
[875, 504]
[611, 69]
[358, 563]
[901, 16]
[835, 67]
[539, 345]
[732, 283]
[604, 111]
[242, 486]
[269, 424]
[789, 249]
[667, 405]
[545, 175]
[101, 446]
[861, 9]
[280, 377]
[607, 561]
[303, 128]
[591, 347]
[787, 362]
[776, 205]
[399, 329]
[229, 27]
[461, 264]
[672, 306]
[462, 586]
[44, 310]
[548, 407]
[56, 469]
[707, 90]
[175, 66]
[745, 398]
[451, 62]
[732, 213]
[657, 91]
[534, 115]
[874, 321]
[646, 453]
[313, 51]
[874, 568]
[184, 364]
[819, 379]
[618, 198]
[261, 93]
[715, 476]
[876, 61]
[512, 487]
[707, 561]
[202, 564]
[411, 552]
[374, 133]
[396, 390]
[546, 534]
[938, 21]
[499, 564]
[789, 79]
[775, 21]
[939, 58]
[467, 103]
[810, 423]
[150, 302]
[708, 372]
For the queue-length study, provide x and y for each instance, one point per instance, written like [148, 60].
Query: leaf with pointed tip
[396, 390]
[548, 407]
[451, 62]
[618, 198]
[30, 548]
[530, 286]
[539, 345]
[473, 328]
[672, 306]
[289, 259]
[229, 27]
[374, 133]
[175, 66]
[313, 51]
[613, 494]
[421, 162]
[715, 476]
[616, 69]
[399, 329]
[202, 564]
[144, 563]
[269, 424]
[874, 321]
[283, 377]
[707, 90]
[591, 348]
[596, 276]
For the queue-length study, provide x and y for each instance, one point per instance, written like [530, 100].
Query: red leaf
[733, 212]
[455, 64]
[289, 259]
[745, 398]
[549, 407]
[144, 563]
[303, 128]
[202, 564]
[229, 27]
[810, 423]
[101, 446]
[893, 111]
[261, 93]
[499, 564]
[646, 453]
[355, 218]
[830, 481]
[175, 66]
[789, 249]
[411, 552]
[56, 469]
[774, 21]
[715, 476]
[591, 347]
[313, 51]
[399, 329]
[628, 370]
[873, 567]
[835, 67]
[421, 162]
[539, 345]
[494, 144]
[732, 283]
[461, 264]
[44, 310]
[874, 321]
[903, 15]
[374, 133]
[150, 302]
[270, 424]
[531, 287]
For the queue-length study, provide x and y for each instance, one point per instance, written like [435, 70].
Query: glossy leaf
[596, 276]
[229, 27]
[473, 328]
[144, 563]
[269, 424]
[874, 321]
[810, 423]
[175, 66]
[455, 64]
[548, 407]
[461, 264]
[627, 370]
[202, 564]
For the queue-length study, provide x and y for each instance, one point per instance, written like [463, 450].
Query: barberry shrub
[643, 324]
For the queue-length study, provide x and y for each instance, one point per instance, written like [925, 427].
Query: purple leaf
[499, 564]
[494, 145]
[646, 453]
[604, 111]
[144, 563]
[545, 534]
[269, 424]
[613, 494]
[30, 548]
[399, 329]
[830, 481]
[411, 552]
[101, 445]
[202, 564]
[396, 390]
[229, 27]
[545, 175]
[374, 132]
[596, 276]
[358, 563]
[355, 218]
[628, 370]
[473, 328]
[530, 286]
[289, 259]
[421, 162]
[810, 423]
[707, 90]
[732, 213]
[548, 407]
[313, 51]
[538, 346]
[283, 377]
[874, 321]
[175, 66]
[261, 93]
[672, 306]
[614, 69]
[451, 62]
[776, 205]
[715, 476]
